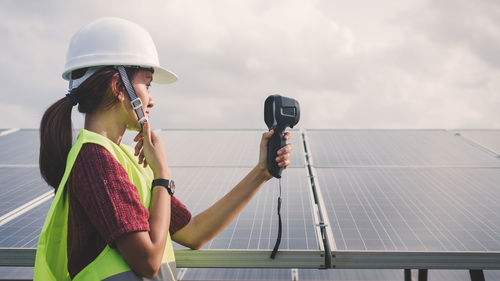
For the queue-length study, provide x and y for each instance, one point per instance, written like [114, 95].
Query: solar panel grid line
[428, 216]
[454, 213]
[255, 226]
[410, 201]
[389, 220]
[495, 200]
[233, 178]
[371, 221]
[479, 217]
[24, 231]
[459, 210]
[15, 192]
[407, 200]
[25, 207]
[396, 148]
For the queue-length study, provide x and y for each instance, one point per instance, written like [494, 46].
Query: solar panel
[489, 139]
[341, 148]
[384, 191]
[23, 232]
[21, 147]
[18, 186]
[413, 209]
[256, 226]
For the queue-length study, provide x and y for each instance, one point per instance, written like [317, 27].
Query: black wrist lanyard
[278, 239]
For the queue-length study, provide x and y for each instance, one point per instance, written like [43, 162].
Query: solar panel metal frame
[465, 134]
[389, 259]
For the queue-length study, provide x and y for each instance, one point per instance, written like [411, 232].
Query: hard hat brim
[163, 76]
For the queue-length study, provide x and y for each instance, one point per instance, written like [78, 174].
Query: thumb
[269, 134]
[265, 137]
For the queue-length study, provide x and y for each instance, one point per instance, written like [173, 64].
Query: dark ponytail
[56, 129]
[56, 136]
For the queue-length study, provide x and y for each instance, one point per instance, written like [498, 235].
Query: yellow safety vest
[51, 256]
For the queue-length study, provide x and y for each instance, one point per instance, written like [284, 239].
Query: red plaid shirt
[103, 205]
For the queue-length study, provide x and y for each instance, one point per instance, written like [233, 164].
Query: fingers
[138, 136]
[287, 136]
[138, 147]
[285, 149]
[284, 155]
[141, 157]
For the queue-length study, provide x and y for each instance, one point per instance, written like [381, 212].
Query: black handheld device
[279, 113]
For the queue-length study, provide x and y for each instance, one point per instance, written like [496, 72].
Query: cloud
[351, 64]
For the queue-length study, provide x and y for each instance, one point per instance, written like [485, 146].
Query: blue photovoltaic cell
[21, 147]
[23, 232]
[489, 139]
[221, 148]
[256, 226]
[19, 186]
[413, 209]
[341, 148]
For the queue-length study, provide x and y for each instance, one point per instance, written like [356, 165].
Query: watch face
[171, 185]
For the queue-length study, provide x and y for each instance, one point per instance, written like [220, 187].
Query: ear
[115, 88]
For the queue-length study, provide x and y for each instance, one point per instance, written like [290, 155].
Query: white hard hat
[114, 41]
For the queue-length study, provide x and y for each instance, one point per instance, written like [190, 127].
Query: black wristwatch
[168, 184]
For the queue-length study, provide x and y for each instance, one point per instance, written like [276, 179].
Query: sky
[410, 64]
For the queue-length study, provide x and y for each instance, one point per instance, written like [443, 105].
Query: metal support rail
[25, 257]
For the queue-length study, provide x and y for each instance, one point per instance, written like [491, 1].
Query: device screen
[288, 111]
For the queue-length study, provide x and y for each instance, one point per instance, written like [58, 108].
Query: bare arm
[143, 250]
[206, 225]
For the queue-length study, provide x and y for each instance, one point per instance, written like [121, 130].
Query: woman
[114, 214]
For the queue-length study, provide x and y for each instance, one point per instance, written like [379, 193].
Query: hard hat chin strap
[134, 100]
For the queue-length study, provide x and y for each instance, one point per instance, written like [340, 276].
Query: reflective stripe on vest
[51, 261]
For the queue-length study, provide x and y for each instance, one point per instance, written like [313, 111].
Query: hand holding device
[279, 113]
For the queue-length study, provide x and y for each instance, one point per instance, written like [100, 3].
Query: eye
[148, 86]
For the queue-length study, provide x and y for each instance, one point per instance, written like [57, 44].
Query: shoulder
[96, 167]
[93, 155]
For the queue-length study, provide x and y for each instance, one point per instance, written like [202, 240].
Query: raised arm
[206, 225]
[143, 250]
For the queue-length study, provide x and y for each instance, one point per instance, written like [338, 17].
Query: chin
[134, 127]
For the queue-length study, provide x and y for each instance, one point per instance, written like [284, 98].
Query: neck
[105, 124]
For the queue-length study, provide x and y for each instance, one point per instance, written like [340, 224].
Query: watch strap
[165, 183]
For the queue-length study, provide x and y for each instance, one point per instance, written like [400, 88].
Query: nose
[151, 101]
